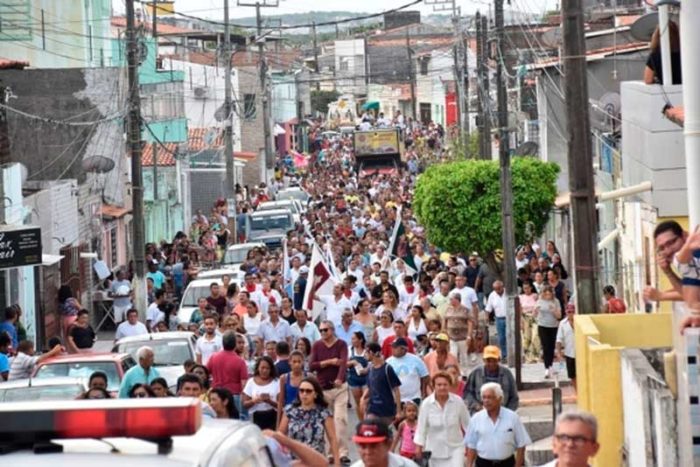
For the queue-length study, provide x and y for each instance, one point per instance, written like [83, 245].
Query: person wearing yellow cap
[440, 358]
[491, 372]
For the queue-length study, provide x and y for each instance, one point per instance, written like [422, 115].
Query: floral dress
[307, 426]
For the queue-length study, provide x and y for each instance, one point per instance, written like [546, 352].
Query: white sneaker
[548, 373]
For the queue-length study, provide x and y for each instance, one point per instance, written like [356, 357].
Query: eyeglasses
[324, 329]
[306, 391]
[577, 440]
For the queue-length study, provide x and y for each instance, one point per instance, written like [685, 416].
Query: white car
[235, 274]
[237, 254]
[195, 290]
[269, 227]
[294, 193]
[163, 432]
[45, 389]
[170, 351]
[288, 204]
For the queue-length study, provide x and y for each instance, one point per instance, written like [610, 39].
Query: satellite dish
[97, 164]
[553, 38]
[643, 28]
[528, 148]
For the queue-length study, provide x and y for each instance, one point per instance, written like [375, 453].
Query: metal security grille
[15, 20]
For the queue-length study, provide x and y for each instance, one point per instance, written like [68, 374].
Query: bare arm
[284, 424]
[51, 353]
[471, 457]
[520, 457]
[395, 441]
[648, 75]
[305, 454]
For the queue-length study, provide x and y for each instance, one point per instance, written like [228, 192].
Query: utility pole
[313, 28]
[581, 183]
[485, 91]
[480, 94]
[4, 126]
[134, 145]
[411, 74]
[230, 184]
[154, 144]
[507, 222]
[465, 79]
[458, 87]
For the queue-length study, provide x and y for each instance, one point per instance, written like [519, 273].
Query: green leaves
[459, 203]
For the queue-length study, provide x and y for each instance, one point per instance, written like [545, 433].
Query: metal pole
[313, 28]
[134, 144]
[485, 91]
[230, 184]
[154, 145]
[584, 224]
[412, 75]
[507, 224]
[480, 94]
[690, 34]
[666, 69]
[269, 157]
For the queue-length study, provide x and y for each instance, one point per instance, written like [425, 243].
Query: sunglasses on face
[306, 391]
[324, 329]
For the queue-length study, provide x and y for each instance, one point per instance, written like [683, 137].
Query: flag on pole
[320, 282]
[399, 247]
[331, 262]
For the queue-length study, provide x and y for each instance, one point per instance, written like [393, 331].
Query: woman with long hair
[653, 72]
[160, 388]
[385, 328]
[358, 367]
[390, 303]
[221, 401]
[309, 421]
[416, 323]
[530, 338]
[365, 318]
[289, 382]
[548, 314]
[69, 307]
[260, 394]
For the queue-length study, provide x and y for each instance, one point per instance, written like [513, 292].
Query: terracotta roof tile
[197, 142]
[163, 29]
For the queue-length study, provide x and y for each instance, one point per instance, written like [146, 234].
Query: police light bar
[159, 418]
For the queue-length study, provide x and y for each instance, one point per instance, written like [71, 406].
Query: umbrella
[370, 105]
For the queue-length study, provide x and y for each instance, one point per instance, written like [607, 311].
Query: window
[113, 246]
[424, 65]
[249, 110]
[344, 64]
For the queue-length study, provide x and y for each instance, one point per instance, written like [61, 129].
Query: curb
[546, 401]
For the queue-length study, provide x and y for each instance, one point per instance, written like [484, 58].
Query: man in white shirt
[275, 329]
[496, 304]
[470, 301]
[407, 293]
[131, 327]
[335, 304]
[496, 435]
[210, 342]
[304, 328]
[566, 346]
[153, 313]
[575, 439]
[411, 371]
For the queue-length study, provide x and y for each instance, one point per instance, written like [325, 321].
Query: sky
[213, 8]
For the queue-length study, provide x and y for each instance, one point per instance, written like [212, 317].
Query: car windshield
[284, 205]
[82, 370]
[293, 194]
[58, 392]
[281, 221]
[166, 352]
[193, 294]
[236, 256]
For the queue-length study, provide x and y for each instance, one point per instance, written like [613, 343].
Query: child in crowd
[406, 431]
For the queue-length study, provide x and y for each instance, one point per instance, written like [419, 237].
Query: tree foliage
[321, 99]
[459, 203]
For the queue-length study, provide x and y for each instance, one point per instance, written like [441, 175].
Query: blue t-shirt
[4, 363]
[11, 330]
[158, 279]
[381, 382]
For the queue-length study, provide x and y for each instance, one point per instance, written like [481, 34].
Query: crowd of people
[407, 350]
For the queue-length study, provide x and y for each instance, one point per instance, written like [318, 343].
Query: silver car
[45, 389]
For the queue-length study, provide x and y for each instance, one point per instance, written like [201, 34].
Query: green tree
[321, 99]
[459, 203]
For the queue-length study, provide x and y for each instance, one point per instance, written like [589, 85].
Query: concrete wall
[55, 150]
[284, 97]
[352, 53]
[653, 147]
[201, 109]
[54, 207]
[649, 413]
[599, 340]
[75, 33]
[430, 88]
[252, 129]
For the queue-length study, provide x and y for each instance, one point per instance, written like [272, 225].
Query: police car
[166, 432]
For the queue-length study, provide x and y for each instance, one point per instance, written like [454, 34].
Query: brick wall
[252, 130]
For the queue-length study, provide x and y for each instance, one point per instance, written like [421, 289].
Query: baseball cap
[303, 270]
[371, 431]
[491, 351]
[399, 342]
[442, 337]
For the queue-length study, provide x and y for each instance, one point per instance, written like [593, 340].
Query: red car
[114, 365]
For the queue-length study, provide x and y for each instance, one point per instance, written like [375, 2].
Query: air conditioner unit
[201, 92]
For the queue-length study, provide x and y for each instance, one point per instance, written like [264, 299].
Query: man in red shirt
[227, 369]
[399, 331]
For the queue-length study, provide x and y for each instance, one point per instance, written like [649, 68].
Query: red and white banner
[320, 282]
